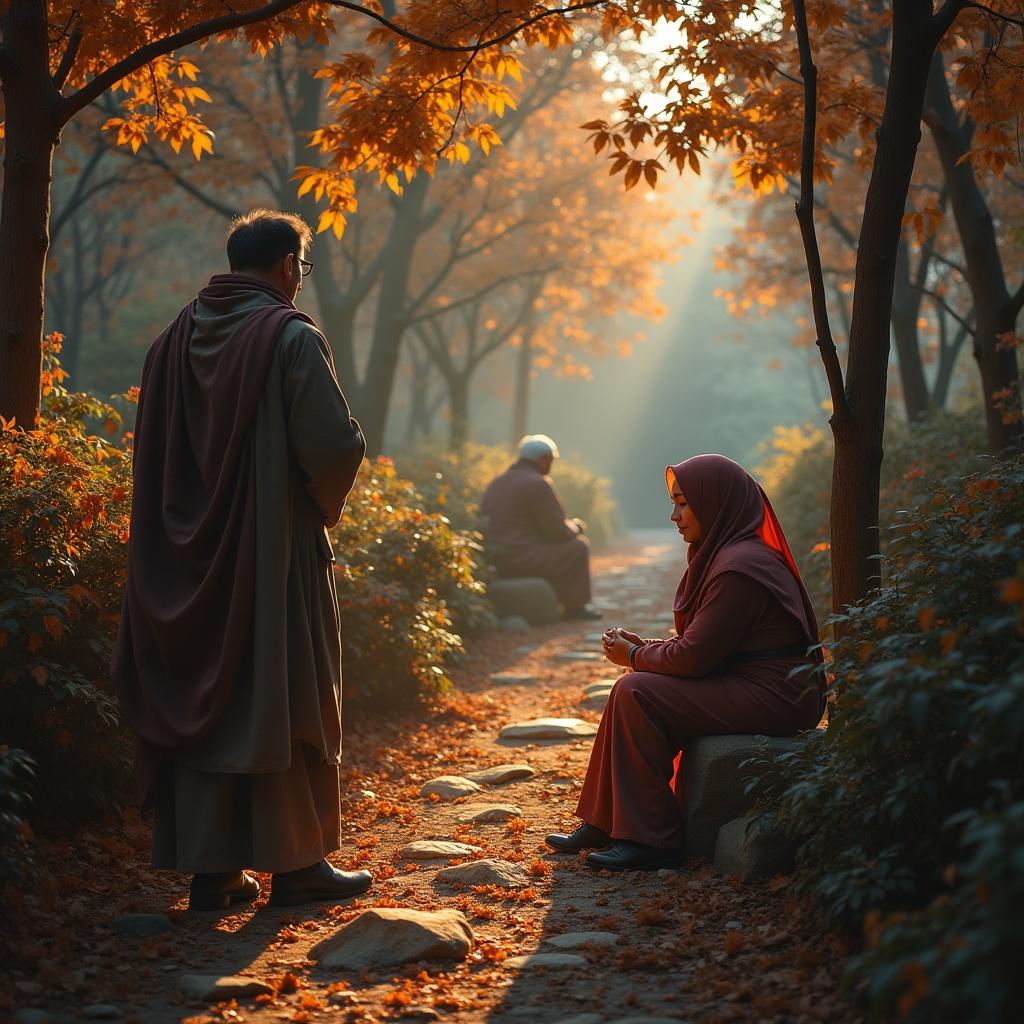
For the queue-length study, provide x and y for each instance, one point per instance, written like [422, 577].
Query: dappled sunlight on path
[683, 946]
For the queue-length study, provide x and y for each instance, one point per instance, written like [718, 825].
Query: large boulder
[715, 784]
[389, 936]
[751, 848]
[528, 597]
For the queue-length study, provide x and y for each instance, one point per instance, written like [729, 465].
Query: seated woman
[744, 622]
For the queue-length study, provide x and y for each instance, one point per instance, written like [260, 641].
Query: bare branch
[67, 59]
[480, 44]
[940, 301]
[805, 217]
[997, 15]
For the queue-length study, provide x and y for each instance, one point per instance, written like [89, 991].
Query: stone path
[471, 918]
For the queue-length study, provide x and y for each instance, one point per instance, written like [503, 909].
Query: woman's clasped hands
[617, 643]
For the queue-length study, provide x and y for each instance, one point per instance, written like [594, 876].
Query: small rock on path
[576, 940]
[212, 988]
[501, 773]
[513, 679]
[549, 729]
[532, 960]
[490, 813]
[436, 849]
[450, 787]
[485, 872]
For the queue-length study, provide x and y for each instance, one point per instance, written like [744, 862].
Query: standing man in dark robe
[526, 532]
[228, 658]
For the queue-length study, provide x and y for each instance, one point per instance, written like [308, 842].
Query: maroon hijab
[739, 533]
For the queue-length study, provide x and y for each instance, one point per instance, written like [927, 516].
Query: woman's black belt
[797, 650]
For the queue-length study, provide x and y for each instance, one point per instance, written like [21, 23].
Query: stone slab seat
[529, 597]
[715, 784]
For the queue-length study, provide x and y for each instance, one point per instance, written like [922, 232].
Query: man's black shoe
[586, 837]
[584, 614]
[318, 882]
[624, 855]
[218, 890]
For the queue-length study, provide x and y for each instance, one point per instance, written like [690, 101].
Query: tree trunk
[390, 320]
[458, 404]
[996, 309]
[858, 437]
[521, 399]
[32, 132]
[906, 310]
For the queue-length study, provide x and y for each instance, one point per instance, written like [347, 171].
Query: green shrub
[16, 775]
[797, 475]
[454, 483]
[407, 586]
[910, 811]
[64, 508]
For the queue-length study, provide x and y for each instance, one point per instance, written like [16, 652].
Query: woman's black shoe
[586, 837]
[317, 882]
[624, 855]
[218, 890]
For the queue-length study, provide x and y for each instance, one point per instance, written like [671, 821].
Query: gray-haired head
[536, 447]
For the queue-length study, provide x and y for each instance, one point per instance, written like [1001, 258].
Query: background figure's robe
[526, 533]
[250, 778]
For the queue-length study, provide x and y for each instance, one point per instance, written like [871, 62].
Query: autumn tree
[931, 314]
[778, 84]
[58, 57]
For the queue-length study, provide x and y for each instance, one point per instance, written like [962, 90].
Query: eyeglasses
[305, 267]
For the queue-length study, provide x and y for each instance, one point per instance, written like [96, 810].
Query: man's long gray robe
[258, 786]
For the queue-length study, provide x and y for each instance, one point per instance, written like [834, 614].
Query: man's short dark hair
[258, 239]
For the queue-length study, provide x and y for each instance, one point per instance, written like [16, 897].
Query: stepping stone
[579, 656]
[212, 988]
[596, 701]
[753, 852]
[485, 872]
[582, 1018]
[501, 773]
[513, 679]
[549, 729]
[525, 650]
[389, 936]
[434, 849]
[715, 781]
[575, 940]
[533, 960]
[490, 813]
[528, 597]
[141, 926]
[599, 687]
[449, 787]
[593, 638]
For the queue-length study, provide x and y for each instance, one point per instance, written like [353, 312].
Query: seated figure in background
[526, 532]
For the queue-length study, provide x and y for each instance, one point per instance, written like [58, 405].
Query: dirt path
[687, 946]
